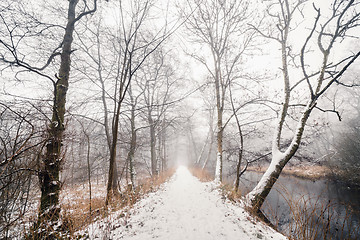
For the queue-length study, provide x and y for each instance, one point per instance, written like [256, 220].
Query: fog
[119, 92]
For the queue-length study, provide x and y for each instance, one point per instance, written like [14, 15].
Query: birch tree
[327, 31]
[222, 27]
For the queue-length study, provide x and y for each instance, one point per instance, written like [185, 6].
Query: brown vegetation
[201, 174]
[311, 172]
[76, 210]
[315, 218]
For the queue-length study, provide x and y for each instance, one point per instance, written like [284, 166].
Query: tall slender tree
[157, 84]
[223, 27]
[129, 44]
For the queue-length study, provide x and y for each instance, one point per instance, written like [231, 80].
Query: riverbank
[314, 172]
[310, 172]
[302, 206]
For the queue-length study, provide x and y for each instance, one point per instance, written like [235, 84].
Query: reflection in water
[329, 205]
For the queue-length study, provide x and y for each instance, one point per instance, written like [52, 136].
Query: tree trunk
[238, 172]
[164, 160]
[210, 149]
[115, 178]
[159, 151]
[49, 210]
[220, 94]
[241, 147]
[152, 146]
[219, 152]
[197, 163]
[192, 145]
[89, 169]
[131, 153]
[240, 152]
[112, 187]
[258, 195]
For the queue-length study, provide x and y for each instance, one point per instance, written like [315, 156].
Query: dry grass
[202, 175]
[308, 172]
[314, 218]
[312, 172]
[151, 184]
[76, 212]
[228, 192]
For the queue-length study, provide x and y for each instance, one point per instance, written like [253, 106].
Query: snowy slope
[184, 208]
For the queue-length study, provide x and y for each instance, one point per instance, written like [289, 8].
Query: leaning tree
[326, 32]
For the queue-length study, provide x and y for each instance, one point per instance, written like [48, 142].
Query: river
[331, 210]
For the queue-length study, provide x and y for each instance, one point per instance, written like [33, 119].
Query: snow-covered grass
[183, 208]
[75, 202]
[22, 218]
[75, 205]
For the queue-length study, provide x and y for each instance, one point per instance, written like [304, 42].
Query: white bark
[279, 158]
[218, 168]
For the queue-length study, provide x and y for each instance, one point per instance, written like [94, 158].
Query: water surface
[329, 205]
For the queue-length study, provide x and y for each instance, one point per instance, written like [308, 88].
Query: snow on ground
[183, 208]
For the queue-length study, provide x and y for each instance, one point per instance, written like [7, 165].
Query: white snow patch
[183, 208]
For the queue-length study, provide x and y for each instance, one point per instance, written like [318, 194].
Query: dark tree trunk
[152, 146]
[131, 153]
[49, 210]
[163, 142]
[112, 187]
[238, 171]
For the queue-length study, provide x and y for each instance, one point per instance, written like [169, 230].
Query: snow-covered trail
[184, 208]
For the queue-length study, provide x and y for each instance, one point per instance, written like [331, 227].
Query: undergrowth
[313, 218]
[76, 213]
[202, 174]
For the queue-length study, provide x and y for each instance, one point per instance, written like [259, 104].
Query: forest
[102, 100]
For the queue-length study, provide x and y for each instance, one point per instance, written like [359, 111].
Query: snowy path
[184, 208]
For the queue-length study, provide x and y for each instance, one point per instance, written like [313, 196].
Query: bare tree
[13, 44]
[129, 43]
[222, 27]
[336, 27]
[157, 84]
[241, 144]
[133, 139]
[20, 147]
